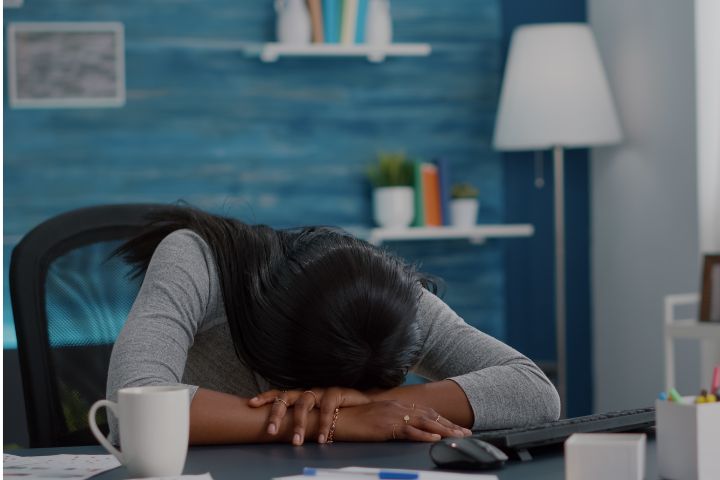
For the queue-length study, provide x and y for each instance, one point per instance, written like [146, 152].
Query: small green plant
[391, 170]
[464, 190]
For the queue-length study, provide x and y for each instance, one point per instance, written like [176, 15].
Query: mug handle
[96, 431]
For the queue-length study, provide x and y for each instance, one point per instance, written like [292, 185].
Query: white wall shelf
[270, 52]
[477, 234]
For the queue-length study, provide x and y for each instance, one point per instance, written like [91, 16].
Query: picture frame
[66, 64]
[12, 3]
[710, 289]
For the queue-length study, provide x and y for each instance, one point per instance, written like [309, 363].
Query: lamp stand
[559, 199]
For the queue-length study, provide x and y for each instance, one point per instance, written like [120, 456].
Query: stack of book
[432, 193]
[338, 21]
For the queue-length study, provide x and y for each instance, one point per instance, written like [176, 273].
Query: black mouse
[466, 453]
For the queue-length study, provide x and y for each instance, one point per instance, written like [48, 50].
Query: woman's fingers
[303, 405]
[279, 408]
[409, 432]
[327, 410]
[435, 426]
[264, 398]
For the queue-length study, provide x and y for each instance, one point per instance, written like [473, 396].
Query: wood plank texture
[285, 143]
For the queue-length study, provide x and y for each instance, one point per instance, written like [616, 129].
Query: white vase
[293, 22]
[393, 207]
[464, 212]
[378, 26]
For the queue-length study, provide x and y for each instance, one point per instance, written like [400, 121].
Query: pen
[382, 474]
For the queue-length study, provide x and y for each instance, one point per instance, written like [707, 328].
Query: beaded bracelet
[331, 434]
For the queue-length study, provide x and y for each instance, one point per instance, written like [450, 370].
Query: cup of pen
[688, 435]
[154, 428]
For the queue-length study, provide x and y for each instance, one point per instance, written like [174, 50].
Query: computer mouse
[466, 453]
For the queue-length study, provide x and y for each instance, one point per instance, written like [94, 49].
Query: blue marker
[382, 474]
[662, 396]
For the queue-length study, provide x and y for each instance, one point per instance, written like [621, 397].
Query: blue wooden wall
[284, 143]
[288, 143]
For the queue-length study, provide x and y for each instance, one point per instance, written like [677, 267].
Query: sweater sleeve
[175, 297]
[505, 389]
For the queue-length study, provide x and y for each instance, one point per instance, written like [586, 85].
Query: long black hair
[306, 307]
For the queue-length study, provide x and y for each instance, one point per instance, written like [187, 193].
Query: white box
[688, 440]
[603, 456]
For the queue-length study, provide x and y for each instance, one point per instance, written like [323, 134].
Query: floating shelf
[477, 234]
[270, 52]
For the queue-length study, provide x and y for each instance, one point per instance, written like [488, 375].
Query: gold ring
[280, 400]
[407, 419]
[313, 394]
[438, 419]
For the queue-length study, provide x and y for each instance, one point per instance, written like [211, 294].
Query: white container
[688, 440]
[464, 212]
[378, 24]
[393, 207]
[605, 456]
[293, 22]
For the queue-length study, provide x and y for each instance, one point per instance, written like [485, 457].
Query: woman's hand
[326, 399]
[391, 420]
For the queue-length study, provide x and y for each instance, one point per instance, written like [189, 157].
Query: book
[349, 21]
[431, 195]
[331, 12]
[444, 174]
[316, 20]
[418, 186]
[362, 7]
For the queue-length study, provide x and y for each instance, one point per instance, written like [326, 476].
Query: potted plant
[393, 199]
[464, 205]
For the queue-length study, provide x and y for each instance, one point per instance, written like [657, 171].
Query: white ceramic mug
[154, 427]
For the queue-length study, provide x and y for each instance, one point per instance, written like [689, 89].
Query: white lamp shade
[555, 91]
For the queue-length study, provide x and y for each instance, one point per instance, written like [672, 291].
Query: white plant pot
[464, 212]
[393, 207]
[293, 22]
[378, 26]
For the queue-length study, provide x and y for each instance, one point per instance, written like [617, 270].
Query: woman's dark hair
[306, 307]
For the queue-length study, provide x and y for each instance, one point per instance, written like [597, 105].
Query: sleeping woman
[307, 335]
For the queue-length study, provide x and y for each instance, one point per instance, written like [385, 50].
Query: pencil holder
[687, 439]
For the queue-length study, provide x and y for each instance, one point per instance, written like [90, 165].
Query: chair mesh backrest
[88, 295]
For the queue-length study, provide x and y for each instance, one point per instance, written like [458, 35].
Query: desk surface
[268, 461]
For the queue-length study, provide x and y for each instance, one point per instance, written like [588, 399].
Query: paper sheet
[204, 476]
[424, 474]
[76, 467]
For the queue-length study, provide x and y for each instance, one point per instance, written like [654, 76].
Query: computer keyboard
[556, 432]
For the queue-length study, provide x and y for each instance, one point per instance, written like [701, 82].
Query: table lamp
[555, 95]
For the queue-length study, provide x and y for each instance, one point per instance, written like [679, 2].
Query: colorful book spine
[316, 20]
[418, 186]
[332, 10]
[444, 174]
[362, 6]
[431, 195]
[349, 21]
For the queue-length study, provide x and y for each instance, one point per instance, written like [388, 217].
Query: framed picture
[61, 64]
[710, 295]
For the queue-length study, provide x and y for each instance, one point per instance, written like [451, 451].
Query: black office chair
[70, 300]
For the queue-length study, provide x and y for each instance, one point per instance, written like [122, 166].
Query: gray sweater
[177, 333]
